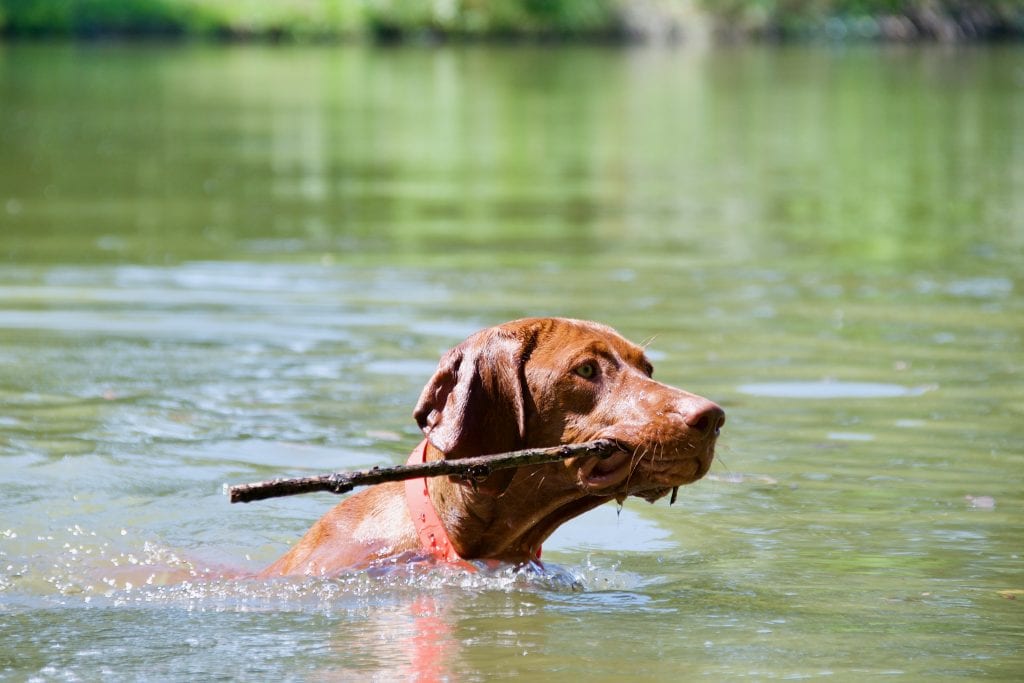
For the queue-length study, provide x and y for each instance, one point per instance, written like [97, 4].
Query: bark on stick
[465, 468]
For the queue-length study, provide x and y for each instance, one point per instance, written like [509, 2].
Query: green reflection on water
[163, 154]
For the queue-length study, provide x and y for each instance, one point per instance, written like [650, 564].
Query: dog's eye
[586, 370]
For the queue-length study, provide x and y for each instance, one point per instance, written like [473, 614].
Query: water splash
[86, 569]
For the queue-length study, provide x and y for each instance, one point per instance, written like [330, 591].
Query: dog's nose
[704, 416]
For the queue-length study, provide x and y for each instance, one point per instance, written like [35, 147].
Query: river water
[225, 264]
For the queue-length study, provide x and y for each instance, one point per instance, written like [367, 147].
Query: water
[226, 264]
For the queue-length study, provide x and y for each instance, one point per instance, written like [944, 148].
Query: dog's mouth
[605, 473]
[636, 472]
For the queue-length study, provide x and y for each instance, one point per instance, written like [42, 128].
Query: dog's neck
[484, 526]
[465, 514]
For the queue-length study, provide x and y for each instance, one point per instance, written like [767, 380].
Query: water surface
[225, 264]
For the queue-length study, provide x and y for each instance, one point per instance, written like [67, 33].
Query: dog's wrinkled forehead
[563, 340]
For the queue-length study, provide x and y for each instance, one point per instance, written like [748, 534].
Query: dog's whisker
[634, 461]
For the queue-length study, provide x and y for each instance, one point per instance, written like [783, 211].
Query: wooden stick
[467, 468]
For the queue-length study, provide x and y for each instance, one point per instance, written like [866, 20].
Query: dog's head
[549, 381]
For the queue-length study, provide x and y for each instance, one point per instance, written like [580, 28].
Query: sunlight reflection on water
[830, 389]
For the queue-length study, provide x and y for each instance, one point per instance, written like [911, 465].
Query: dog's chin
[656, 490]
[651, 495]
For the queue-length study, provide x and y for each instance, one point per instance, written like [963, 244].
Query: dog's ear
[475, 404]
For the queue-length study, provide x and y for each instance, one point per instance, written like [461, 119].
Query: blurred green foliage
[398, 19]
[311, 18]
[870, 19]
[91, 17]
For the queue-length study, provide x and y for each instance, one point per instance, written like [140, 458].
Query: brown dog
[528, 383]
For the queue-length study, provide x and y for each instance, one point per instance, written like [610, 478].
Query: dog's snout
[704, 416]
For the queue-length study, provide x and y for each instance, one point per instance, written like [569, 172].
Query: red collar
[433, 536]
